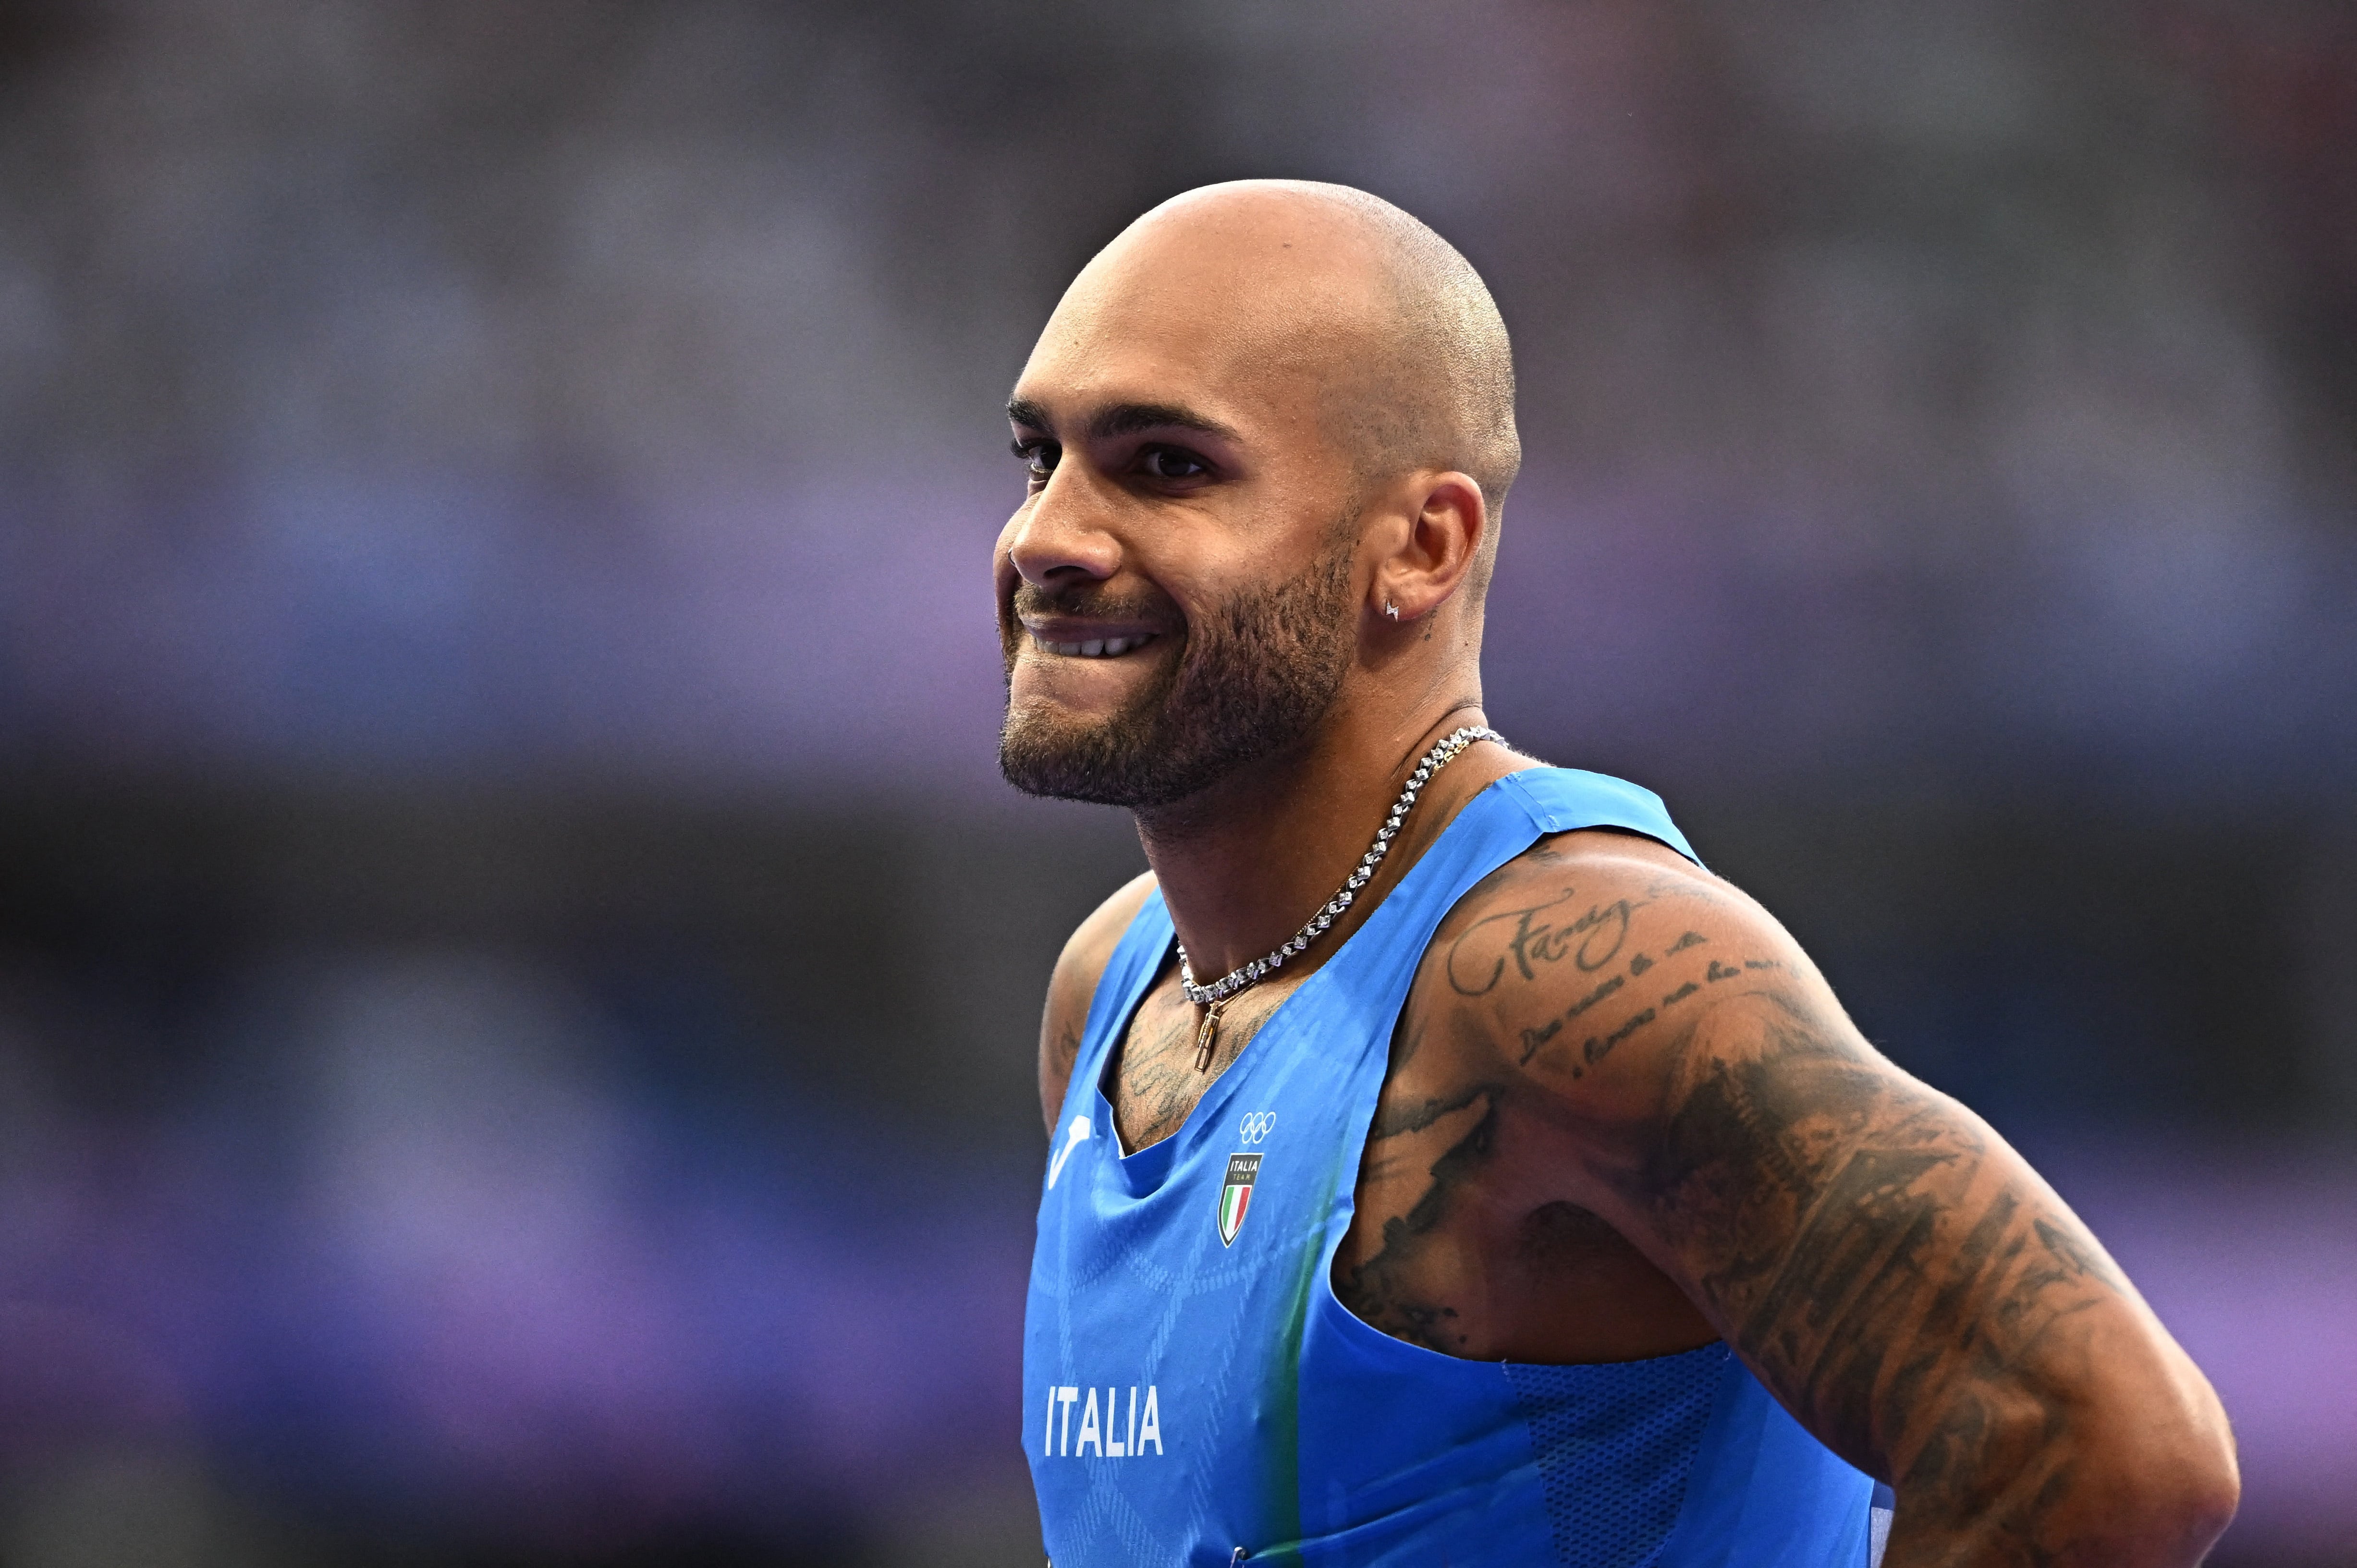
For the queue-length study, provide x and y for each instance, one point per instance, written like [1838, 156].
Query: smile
[1095, 647]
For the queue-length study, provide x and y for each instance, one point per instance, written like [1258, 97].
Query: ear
[1444, 537]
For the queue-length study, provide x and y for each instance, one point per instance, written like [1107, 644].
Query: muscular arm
[1664, 1055]
[1074, 985]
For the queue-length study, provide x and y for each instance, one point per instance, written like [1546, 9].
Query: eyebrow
[1125, 419]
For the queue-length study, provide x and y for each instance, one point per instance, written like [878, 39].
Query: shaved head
[1405, 343]
[1438, 377]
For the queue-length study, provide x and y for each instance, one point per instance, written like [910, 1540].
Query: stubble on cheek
[1248, 678]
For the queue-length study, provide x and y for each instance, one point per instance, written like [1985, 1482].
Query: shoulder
[1074, 984]
[1581, 960]
[1090, 948]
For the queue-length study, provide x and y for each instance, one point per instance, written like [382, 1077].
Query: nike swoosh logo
[1079, 1133]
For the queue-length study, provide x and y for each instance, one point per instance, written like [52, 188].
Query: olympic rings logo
[1257, 1125]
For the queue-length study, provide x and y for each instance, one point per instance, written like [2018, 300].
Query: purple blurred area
[516, 969]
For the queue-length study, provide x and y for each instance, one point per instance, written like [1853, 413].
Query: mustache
[1095, 602]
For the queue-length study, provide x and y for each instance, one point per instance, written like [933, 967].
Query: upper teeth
[1096, 648]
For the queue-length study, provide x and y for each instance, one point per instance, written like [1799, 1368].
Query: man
[1512, 1191]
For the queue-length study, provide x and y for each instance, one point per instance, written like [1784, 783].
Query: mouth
[1094, 646]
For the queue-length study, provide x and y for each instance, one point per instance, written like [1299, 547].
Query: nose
[1060, 533]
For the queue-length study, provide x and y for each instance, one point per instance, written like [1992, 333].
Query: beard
[1257, 674]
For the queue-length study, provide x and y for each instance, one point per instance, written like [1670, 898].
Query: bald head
[1392, 329]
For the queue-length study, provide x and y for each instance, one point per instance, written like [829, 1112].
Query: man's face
[1178, 591]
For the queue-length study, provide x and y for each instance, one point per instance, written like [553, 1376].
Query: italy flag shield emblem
[1235, 1194]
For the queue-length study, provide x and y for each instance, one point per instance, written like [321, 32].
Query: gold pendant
[1207, 1035]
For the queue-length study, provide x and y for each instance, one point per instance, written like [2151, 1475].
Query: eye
[1172, 463]
[1039, 457]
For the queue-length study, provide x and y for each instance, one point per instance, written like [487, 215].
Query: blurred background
[517, 973]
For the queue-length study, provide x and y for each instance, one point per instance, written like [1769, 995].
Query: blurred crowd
[516, 967]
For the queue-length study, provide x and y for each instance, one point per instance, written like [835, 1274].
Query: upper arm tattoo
[1887, 1271]
[1892, 1272]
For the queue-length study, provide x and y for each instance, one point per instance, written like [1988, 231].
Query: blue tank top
[1194, 1393]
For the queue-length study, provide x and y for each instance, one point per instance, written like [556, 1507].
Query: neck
[1242, 864]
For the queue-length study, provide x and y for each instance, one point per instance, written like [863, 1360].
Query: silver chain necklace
[1213, 998]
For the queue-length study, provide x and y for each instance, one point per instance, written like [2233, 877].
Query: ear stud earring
[1391, 609]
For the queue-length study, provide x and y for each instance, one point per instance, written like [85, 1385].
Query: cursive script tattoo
[1593, 1049]
[1476, 960]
